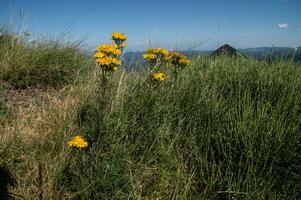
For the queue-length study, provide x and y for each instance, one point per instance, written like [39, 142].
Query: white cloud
[283, 25]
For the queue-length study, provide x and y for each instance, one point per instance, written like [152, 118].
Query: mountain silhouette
[228, 50]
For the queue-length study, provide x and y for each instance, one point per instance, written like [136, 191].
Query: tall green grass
[227, 128]
[39, 62]
[3, 109]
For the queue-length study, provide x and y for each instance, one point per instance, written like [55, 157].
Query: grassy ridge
[227, 128]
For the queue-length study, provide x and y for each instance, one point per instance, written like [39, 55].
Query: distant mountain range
[273, 52]
[134, 60]
[258, 53]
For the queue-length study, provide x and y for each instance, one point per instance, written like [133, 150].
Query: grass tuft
[40, 63]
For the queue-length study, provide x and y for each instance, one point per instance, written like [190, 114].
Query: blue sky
[172, 24]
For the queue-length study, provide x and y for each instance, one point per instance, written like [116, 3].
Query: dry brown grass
[38, 117]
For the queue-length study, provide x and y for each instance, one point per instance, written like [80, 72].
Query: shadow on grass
[6, 179]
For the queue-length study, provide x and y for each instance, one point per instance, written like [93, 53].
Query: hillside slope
[226, 128]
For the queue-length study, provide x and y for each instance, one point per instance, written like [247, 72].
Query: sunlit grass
[220, 128]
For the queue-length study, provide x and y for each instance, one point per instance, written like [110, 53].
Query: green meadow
[220, 128]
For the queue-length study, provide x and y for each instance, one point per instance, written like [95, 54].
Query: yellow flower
[184, 61]
[159, 76]
[108, 61]
[78, 142]
[109, 49]
[149, 56]
[119, 36]
[115, 61]
[158, 51]
[99, 55]
[177, 58]
[161, 51]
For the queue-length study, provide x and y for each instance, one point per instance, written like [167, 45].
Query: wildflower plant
[107, 56]
[178, 60]
[159, 76]
[78, 142]
[108, 60]
[119, 38]
[155, 56]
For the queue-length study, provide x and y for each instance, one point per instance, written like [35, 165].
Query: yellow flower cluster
[150, 57]
[108, 49]
[178, 59]
[184, 62]
[160, 56]
[153, 55]
[157, 51]
[108, 60]
[119, 37]
[159, 76]
[99, 55]
[107, 55]
[78, 142]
